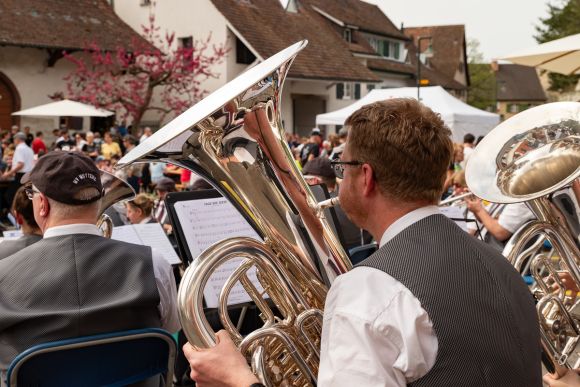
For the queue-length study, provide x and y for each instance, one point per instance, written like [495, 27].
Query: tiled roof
[519, 83]
[435, 77]
[268, 28]
[64, 24]
[448, 44]
[368, 17]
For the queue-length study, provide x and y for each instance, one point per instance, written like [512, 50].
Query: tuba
[115, 190]
[526, 159]
[234, 139]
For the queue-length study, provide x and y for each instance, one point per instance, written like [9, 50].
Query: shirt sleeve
[167, 292]
[378, 335]
[515, 215]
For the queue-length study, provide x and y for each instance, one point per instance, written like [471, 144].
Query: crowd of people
[433, 305]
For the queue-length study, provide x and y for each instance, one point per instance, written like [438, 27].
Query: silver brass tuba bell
[526, 159]
[116, 190]
[234, 139]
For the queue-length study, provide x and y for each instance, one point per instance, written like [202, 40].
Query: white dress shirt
[23, 154]
[161, 270]
[375, 332]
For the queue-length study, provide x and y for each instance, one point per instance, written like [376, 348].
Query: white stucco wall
[186, 18]
[35, 81]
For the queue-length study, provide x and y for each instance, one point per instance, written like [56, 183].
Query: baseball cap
[165, 184]
[315, 132]
[60, 175]
[319, 166]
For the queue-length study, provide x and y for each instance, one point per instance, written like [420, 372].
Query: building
[518, 89]
[447, 66]
[33, 36]
[353, 47]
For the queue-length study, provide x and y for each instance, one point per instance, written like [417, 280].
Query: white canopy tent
[64, 108]
[457, 115]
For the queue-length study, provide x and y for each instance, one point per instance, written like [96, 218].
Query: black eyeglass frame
[29, 191]
[338, 166]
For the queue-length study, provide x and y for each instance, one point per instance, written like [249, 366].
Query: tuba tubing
[525, 159]
[235, 140]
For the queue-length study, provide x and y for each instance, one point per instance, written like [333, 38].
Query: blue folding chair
[360, 253]
[112, 359]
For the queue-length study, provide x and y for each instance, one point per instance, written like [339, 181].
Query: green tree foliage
[482, 79]
[563, 20]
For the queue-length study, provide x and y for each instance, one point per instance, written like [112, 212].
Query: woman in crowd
[139, 209]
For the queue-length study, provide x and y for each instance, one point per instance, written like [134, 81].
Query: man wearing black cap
[162, 188]
[75, 282]
[311, 149]
[319, 170]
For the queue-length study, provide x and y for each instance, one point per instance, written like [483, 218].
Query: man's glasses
[30, 192]
[339, 166]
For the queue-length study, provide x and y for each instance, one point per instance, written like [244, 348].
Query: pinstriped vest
[482, 312]
[71, 286]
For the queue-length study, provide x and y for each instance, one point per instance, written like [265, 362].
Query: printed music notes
[205, 222]
[148, 234]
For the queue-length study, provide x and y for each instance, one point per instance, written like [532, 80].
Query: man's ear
[369, 180]
[44, 205]
[19, 218]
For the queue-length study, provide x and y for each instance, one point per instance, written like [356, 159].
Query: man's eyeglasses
[30, 192]
[339, 166]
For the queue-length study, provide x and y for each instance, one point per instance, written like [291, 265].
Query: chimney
[402, 27]
[494, 66]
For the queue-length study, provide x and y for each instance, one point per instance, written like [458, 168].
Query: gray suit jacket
[7, 248]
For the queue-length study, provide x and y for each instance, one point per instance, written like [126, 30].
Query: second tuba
[234, 139]
[526, 159]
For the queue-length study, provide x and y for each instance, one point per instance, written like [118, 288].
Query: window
[387, 48]
[243, 54]
[347, 34]
[348, 90]
[513, 108]
[371, 86]
[185, 44]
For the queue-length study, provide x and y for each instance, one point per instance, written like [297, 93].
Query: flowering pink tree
[125, 80]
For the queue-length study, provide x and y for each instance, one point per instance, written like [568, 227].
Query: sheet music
[454, 213]
[205, 222]
[148, 234]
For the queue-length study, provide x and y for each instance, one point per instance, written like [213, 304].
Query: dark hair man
[433, 306]
[74, 282]
[311, 149]
[24, 214]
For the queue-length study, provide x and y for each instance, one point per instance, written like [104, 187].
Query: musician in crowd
[499, 221]
[433, 306]
[319, 170]
[24, 215]
[162, 188]
[74, 282]
[139, 210]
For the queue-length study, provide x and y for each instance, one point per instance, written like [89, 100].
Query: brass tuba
[234, 139]
[526, 159]
[115, 190]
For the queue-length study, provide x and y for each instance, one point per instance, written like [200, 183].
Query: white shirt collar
[146, 220]
[80, 228]
[406, 220]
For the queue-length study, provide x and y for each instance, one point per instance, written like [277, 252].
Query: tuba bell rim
[486, 179]
[210, 104]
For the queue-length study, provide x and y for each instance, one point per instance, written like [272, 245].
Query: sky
[500, 26]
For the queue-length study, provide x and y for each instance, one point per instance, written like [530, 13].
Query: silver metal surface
[234, 139]
[116, 190]
[529, 155]
[525, 159]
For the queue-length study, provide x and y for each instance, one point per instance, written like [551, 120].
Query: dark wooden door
[8, 104]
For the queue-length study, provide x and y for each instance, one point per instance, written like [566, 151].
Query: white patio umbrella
[559, 56]
[64, 108]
